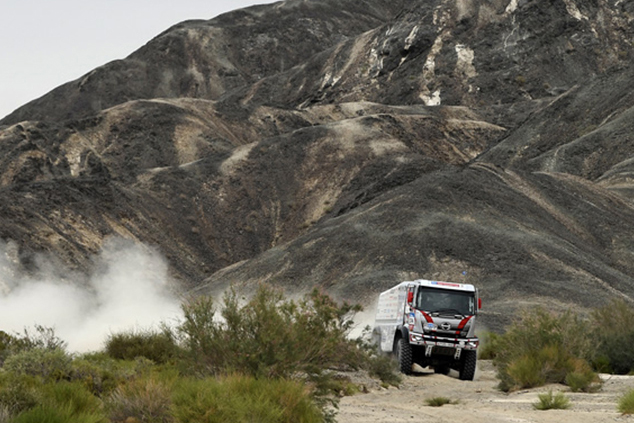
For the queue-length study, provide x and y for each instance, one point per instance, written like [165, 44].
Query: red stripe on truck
[462, 324]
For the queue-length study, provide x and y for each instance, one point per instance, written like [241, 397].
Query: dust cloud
[129, 289]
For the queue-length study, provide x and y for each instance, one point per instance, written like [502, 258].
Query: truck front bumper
[443, 342]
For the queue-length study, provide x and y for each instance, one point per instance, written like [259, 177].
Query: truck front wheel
[467, 372]
[404, 355]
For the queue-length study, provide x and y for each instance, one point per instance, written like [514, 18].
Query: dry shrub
[147, 399]
[269, 336]
[542, 347]
[613, 329]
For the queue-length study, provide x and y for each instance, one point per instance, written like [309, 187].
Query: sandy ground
[480, 401]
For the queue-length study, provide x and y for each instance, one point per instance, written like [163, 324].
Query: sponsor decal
[455, 285]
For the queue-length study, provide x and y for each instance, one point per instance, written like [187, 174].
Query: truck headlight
[416, 338]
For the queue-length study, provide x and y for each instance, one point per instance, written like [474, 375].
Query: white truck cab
[430, 323]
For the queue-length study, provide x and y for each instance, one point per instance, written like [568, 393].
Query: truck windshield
[445, 301]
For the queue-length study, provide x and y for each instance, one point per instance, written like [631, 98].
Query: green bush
[72, 396]
[239, 398]
[525, 372]
[582, 378]
[48, 364]
[26, 399]
[548, 401]
[626, 402]
[18, 392]
[97, 377]
[488, 345]
[270, 337]
[43, 338]
[542, 347]
[613, 329]
[101, 374]
[158, 346]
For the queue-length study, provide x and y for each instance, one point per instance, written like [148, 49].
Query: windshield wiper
[446, 311]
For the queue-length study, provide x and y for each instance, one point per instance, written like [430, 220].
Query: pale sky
[46, 43]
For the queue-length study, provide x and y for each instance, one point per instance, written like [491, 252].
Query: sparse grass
[147, 399]
[548, 401]
[57, 414]
[626, 403]
[439, 401]
[238, 398]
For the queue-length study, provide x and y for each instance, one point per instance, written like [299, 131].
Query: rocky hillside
[349, 144]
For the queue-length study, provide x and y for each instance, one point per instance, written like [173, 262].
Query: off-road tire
[469, 358]
[404, 356]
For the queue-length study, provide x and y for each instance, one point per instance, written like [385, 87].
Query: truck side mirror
[410, 297]
[479, 303]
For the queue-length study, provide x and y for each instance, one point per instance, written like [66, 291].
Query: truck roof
[445, 285]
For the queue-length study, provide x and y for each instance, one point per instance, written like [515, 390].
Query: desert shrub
[18, 392]
[439, 401]
[48, 364]
[98, 377]
[270, 337]
[41, 337]
[488, 345]
[626, 402]
[582, 378]
[542, 347]
[525, 371]
[613, 328]
[377, 363]
[239, 398]
[101, 374]
[158, 346]
[548, 401]
[385, 368]
[146, 399]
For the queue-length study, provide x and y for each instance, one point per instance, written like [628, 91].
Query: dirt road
[480, 401]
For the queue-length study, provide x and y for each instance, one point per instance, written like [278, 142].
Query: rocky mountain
[349, 144]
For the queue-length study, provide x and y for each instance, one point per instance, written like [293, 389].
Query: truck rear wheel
[469, 358]
[404, 355]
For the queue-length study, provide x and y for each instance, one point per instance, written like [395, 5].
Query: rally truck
[430, 323]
